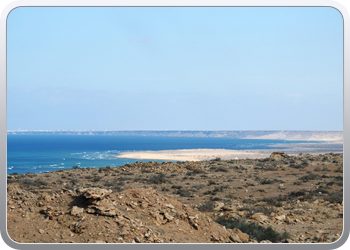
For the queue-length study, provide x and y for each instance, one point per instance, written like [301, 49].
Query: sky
[175, 68]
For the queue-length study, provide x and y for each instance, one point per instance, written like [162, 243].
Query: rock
[193, 222]
[107, 210]
[259, 217]
[51, 212]
[144, 204]
[218, 206]
[95, 193]
[287, 241]
[160, 219]
[280, 217]
[124, 231]
[99, 241]
[278, 155]
[289, 220]
[242, 236]
[169, 206]
[235, 238]
[76, 210]
[228, 208]
[41, 231]
[214, 238]
[168, 217]
[90, 210]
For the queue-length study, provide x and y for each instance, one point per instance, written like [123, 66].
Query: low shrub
[255, 231]
[182, 193]
[207, 206]
[96, 178]
[29, 182]
[198, 171]
[197, 187]
[221, 188]
[221, 169]
[267, 181]
[310, 177]
[230, 196]
[211, 182]
[335, 197]
[74, 181]
[158, 179]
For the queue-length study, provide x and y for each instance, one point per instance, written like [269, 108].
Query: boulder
[259, 217]
[238, 236]
[218, 206]
[95, 193]
[278, 155]
[76, 210]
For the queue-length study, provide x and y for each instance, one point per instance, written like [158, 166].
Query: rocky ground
[278, 199]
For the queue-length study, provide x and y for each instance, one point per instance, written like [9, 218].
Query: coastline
[228, 154]
[195, 154]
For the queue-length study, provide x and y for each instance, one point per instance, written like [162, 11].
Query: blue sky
[175, 68]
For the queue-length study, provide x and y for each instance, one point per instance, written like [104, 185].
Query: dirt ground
[283, 198]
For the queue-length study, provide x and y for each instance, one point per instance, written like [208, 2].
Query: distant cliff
[259, 134]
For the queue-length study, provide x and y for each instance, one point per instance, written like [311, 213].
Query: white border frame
[224, 3]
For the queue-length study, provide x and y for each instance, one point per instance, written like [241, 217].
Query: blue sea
[28, 153]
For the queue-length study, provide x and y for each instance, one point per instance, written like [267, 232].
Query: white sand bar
[196, 154]
[228, 154]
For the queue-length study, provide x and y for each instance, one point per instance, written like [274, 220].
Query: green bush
[182, 193]
[335, 197]
[198, 171]
[267, 181]
[255, 231]
[211, 182]
[207, 206]
[96, 178]
[29, 182]
[74, 181]
[310, 177]
[158, 179]
[221, 169]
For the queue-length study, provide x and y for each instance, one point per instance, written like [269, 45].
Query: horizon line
[162, 130]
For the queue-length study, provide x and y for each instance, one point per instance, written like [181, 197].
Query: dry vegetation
[278, 199]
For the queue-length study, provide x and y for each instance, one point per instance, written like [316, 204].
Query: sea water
[30, 153]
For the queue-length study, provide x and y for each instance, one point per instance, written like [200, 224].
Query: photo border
[170, 3]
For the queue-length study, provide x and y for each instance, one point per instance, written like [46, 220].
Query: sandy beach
[227, 154]
[196, 154]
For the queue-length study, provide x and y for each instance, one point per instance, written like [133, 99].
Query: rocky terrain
[282, 198]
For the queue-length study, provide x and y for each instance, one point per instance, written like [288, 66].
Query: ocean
[28, 153]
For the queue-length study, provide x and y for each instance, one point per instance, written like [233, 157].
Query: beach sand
[196, 154]
[227, 154]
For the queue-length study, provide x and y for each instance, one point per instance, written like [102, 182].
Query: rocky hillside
[278, 199]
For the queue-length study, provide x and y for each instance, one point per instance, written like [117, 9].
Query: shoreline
[228, 154]
[195, 154]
